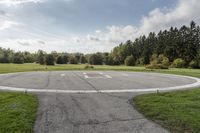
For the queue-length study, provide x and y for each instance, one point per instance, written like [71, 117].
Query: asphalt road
[89, 109]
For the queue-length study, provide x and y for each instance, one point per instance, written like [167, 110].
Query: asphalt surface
[91, 112]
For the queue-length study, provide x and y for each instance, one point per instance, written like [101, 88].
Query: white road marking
[124, 74]
[100, 77]
[86, 76]
[62, 75]
[107, 76]
[188, 86]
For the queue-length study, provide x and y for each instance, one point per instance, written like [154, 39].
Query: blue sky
[87, 25]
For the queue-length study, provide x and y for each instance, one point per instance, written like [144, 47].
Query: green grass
[8, 68]
[17, 112]
[179, 112]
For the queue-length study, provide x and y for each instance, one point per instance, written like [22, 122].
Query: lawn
[179, 112]
[17, 112]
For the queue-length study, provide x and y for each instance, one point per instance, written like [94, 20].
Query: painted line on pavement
[62, 75]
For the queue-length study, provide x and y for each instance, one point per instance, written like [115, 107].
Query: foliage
[174, 43]
[65, 58]
[178, 63]
[60, 60]
[108, 60]
[158, 62]
[96, 59]
[50, 60]
[129, 61]
[194, 64]
[83, 59]
[18, 58]
[73, 60]
[41, 57]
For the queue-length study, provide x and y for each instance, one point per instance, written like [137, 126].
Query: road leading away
[92, 101]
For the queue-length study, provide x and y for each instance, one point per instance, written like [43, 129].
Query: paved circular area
[94, 82]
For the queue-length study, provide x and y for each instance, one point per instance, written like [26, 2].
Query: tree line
[176, 47]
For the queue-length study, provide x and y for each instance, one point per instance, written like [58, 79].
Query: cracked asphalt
[91, 112]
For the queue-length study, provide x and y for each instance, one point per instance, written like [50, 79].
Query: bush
[73, 60]
[96, 59]
[163, 60]
[158, 62]
[18, 58]
[60, 60]
[4, 58]
[89, 67]
[108, 60]
[41, 57]
[83, 59]
[129, 61]
[50, 60]
[178, 63]
[193, 64]
[65, 59]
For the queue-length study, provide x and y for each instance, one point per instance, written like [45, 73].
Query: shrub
[59, 60]
[158, 62]
[4, 58]
[83, 59]
[193, 64]
[41, 57]
[108, 60]
[50, 60]
[65, 59]
[140, 61]
[178, 63]
[73, 60]
[129, 61]
[163, 60]
[96, 59]
[18, 58]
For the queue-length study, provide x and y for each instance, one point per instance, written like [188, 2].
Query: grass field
[17, 112]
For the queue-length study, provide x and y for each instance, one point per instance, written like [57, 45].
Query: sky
[87, 26]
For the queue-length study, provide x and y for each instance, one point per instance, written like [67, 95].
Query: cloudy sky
[87, 25]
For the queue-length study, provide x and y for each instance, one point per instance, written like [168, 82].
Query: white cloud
[106, 39]
[14, 2]
[182, 14]
[4, 24]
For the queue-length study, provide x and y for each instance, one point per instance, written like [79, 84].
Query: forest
[174, 47]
